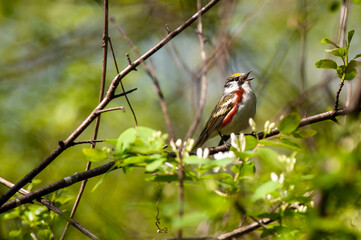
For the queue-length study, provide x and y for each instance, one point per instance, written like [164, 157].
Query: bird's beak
[246, 76]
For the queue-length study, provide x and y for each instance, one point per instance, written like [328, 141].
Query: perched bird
[233, 110]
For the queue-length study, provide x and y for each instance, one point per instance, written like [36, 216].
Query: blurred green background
[50, 71]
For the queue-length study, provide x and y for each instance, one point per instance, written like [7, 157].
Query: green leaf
[264, 189]
[289, 123]
[339, 52]
[245, 154]
[349, 36]
[280, 144]
[328, 41]
[357, 56]
[269, 156]
[326, 63]
[246, 169]
[112, 141]
[350, 74]
[304, 133]
[94, 154]
[151, 167]
[251, 142]
[135, 160]
[350, 70]
[340, 71]
[196, 160]
[124, 140]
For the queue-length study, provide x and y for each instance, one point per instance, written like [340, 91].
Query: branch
[202, 98]
[330, 115]
[245, 229]
[65, 182]
[51, 206]
[124, 93]
[109, 96]
[153, 76]
[105, 40]
[111, 109]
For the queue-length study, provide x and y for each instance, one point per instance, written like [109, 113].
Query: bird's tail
[201, 140]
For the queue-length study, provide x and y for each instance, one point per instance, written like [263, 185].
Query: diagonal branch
[65, 182]
[109, 96]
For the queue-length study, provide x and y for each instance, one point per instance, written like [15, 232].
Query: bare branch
[51, 206]
[109, 96]
[202, 98]
[65, 182]
[153, 76]
[245, 229]
[111, 109]
[124, 93]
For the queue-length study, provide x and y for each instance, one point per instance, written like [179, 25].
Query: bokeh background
[50, 71]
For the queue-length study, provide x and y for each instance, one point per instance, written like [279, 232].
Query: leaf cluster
[347, 70]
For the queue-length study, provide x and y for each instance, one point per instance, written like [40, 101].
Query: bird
[233, 110]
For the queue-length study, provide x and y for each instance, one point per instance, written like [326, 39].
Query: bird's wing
[220, 111]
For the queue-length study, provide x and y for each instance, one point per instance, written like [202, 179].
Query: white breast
[246, 110]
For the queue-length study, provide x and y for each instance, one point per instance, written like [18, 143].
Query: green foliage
[36, 220]
[289, 123]
[346, 71]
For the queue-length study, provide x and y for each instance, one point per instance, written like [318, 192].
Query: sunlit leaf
[124, 140]
[328, 41]
[290, 146]
[155, 165]
[251, 142]
[349, 36]
[264, 189]
[326, 63]
[94, 154]
[339, 52]
[289, 123]
[196, 160]
[269, 156]
[304, 133]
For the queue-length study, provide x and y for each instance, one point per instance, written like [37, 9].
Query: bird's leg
[224, 139]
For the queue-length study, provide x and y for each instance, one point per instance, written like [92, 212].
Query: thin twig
[202, 98]
[109, 96]
[97, 121]
[124, 93]
[245, 229]
[153, 76]
[181, 189]
[88, 141]
[51, 206]
[121, 82]
[111, 109]
[341, 40]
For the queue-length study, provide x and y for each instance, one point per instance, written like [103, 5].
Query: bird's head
[236, 81]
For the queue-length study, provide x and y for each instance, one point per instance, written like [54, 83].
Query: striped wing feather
[224, 105]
